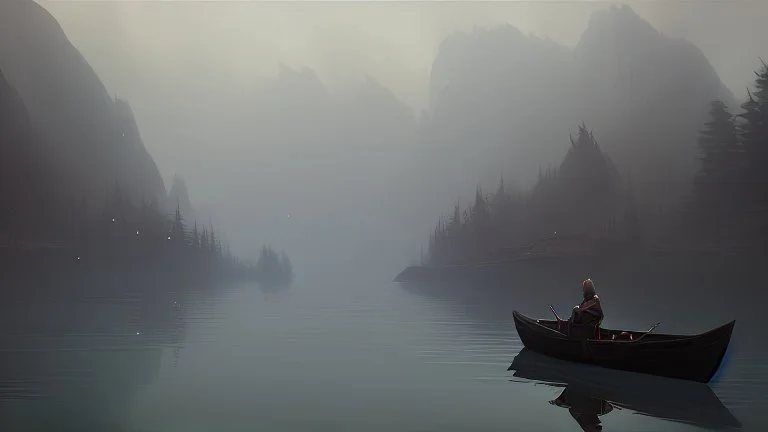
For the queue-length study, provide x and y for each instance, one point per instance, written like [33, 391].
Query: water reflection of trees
[75, 362]
[92, 294]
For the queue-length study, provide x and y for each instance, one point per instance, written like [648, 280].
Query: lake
[332, 353]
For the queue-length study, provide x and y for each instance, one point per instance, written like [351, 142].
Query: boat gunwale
[536, 326]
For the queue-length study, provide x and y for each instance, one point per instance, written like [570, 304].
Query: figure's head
[588, 288]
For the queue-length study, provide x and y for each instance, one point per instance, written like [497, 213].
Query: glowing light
[138, 334]
[169, 237]
[137, 233]
[113, 220]
[78, 258]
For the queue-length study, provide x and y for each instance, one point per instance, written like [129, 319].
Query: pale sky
[228, 45]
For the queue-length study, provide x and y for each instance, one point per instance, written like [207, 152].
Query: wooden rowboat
[686, 357]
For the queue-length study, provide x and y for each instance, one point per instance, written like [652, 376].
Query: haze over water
[331, 354]
[345, 135]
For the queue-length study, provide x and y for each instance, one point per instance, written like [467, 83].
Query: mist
[315, 110]
[430, 172]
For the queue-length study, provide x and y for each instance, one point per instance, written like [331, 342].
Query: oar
[556, 315]
[653, 327]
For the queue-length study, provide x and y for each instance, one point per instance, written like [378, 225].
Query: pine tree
[195, 238]
[177, 229]
[481, 215]
[717, 184]
[719, 145]
[204, 244]
[753, 134]
[481, 224]
[499, 202]
[212, 247]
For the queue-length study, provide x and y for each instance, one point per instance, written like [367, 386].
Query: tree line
[585, 203]
[728, 206]
[122, 237]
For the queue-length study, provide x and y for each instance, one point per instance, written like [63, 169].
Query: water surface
[331, 354]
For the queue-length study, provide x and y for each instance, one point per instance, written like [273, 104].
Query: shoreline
[590, 260]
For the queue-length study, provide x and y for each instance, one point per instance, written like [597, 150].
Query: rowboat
[685, 357]
[589, 392]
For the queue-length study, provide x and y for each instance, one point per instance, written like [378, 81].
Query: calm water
[322, 356]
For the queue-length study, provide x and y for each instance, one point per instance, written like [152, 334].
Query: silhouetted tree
[177, 234]
[753, 134]
[204, 243]
[718, 188]
[46, 229]
[273, 269]
[212, 244]
[582, 196]
[195, 238]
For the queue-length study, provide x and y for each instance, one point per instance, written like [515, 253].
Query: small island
[273, 270]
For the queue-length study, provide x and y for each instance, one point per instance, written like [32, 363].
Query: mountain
[315, 163]
[502, 101]
[24, 171]
[179, 196]
[649, 95]
[497, 100]
[92, 137]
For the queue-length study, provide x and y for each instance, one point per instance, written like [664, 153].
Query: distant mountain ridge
[501, 102]
[92, 137]
[178, 196]
[512, 97]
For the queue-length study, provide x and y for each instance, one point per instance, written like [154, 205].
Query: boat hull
[693, 358]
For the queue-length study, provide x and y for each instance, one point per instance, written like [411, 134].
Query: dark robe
[589, 312]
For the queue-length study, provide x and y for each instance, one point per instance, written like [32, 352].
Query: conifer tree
[718, 187]
[212, 244]
[204, 244]
[753, 134]
[195, 238]
[177, 230]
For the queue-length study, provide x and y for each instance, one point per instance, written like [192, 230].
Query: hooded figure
[589, 312]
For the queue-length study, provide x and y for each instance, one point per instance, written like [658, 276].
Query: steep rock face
[503, 101]
[93, 138]
[179, 196]
[648, 95]
[490, 90]
[26, 186]
[328, 159]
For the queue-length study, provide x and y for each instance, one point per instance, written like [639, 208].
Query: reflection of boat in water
[590, 390]
[583, 408]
